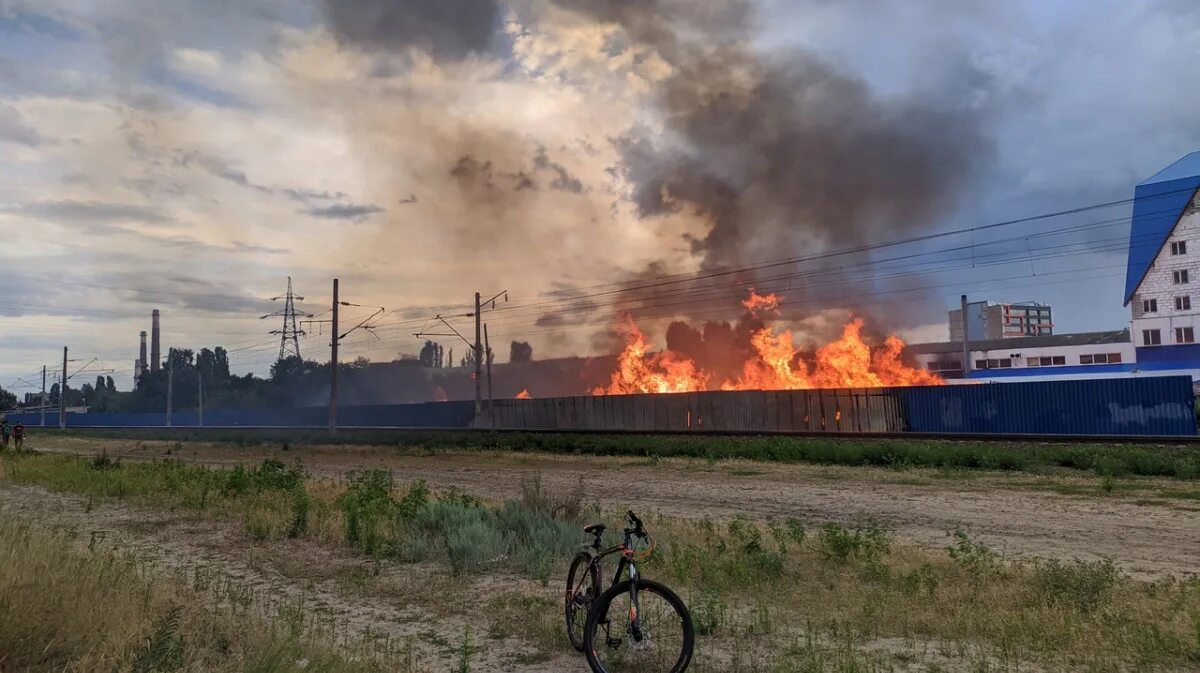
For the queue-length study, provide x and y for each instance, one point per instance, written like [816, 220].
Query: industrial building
[1001, 321]
[1016, 341]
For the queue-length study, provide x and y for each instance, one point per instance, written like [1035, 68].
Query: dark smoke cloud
[783, 153]
[448, 29]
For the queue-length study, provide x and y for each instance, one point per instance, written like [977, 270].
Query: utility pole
[333, 364]
[62, 395]
[487, 347]
[199, 397]
[966, 340]
[478, 361]
[43, 396]
[170, 382]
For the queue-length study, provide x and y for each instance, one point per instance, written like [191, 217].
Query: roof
[1047, 341]
[1158, 203]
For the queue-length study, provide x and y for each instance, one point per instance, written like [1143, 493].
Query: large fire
[777, 363]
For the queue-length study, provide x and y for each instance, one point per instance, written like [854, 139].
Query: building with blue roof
[1162, 275]
[1162, 291]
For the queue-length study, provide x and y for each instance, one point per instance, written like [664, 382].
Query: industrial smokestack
[155, 349]
[139, 365]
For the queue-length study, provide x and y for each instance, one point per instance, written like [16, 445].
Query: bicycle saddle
[594, 528]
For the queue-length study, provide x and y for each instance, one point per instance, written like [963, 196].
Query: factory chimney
[139, 365]
[155, 349]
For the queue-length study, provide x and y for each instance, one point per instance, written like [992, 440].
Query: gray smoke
[783, 153]
[447, 29]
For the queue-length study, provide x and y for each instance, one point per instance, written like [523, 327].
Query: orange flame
[641, 371]
[756, 302]
[778, 364]
[524, 394]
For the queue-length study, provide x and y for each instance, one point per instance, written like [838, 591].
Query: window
[1048, 361]
[1183, 303]
[1179, 248]
[1149, 306]
[1184, 335]
[945, 366]
[1181, 277]
[1100, 359]
[1151, 337]
[1060, 360]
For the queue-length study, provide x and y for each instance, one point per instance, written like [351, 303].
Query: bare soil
[1017, 514]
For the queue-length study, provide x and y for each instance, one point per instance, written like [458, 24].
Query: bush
[473, 546]
[1083, 584]
[971, 555]
[867, 542]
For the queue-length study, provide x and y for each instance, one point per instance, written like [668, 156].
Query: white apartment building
[1162, 287]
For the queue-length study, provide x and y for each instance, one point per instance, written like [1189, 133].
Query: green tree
[7, 400]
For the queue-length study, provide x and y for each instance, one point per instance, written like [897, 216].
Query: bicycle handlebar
[638, 528]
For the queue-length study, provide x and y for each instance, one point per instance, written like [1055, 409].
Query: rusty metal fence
[843, 410]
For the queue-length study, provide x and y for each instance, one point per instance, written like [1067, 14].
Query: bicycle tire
[576, 612]
[601, 608]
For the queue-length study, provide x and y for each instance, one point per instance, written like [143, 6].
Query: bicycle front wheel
[659, 640]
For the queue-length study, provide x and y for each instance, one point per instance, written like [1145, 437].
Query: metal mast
[289, 335]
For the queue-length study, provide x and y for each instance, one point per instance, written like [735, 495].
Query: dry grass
[63, 610]
[765, 597]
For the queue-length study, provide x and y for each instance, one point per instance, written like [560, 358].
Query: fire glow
[777, 364]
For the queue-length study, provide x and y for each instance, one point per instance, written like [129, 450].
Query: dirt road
[1146, 538]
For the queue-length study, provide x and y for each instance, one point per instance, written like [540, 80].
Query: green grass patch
[950, 456]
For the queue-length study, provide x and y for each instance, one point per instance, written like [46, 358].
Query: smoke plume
[448, 29]
[782, 153]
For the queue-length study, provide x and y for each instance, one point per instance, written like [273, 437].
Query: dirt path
[1146, 540]
[210, 556]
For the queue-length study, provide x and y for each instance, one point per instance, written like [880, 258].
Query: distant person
[5, 431]
[18, 435]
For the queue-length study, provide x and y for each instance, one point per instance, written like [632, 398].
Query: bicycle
[652, 630]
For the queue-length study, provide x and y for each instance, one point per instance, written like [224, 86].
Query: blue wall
[1145, 405]
[1162, 405]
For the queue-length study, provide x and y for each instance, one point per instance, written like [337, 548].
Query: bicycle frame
[626, 564]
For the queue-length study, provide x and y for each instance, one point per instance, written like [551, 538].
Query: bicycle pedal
[614, 642]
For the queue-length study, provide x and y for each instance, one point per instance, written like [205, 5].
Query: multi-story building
[1162, 280]
[1162, 291]
[1002, 321]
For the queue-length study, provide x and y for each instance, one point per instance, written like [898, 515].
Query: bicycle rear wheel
[662, 644]
[583, 588]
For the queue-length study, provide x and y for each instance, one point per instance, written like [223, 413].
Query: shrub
[970, 554]
[474, 545]
[301, 503]
[1082, 584]
[273, 475]
[867, 542]
[103, 462]
[708, 613]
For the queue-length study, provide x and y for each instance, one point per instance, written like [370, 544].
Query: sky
[191, 155]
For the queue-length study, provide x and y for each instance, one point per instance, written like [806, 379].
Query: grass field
[778, 595]
[1181, 462]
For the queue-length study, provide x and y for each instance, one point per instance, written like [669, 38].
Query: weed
[1108, 483]
[301, 503]
[708, 613]
[465, 653]
[1082, 584]
[970, 554]
[163, 651]
[788, 533]
[867, 542]
[103, 461]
